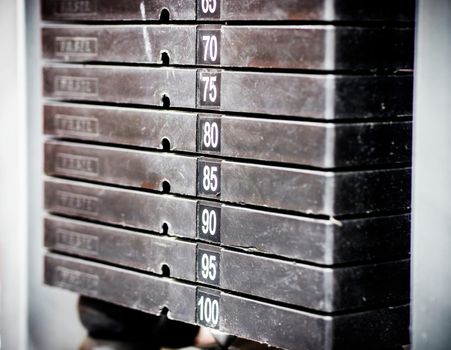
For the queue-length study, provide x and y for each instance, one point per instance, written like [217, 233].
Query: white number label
[209, 94]
[209, 178]
[210, 89]
[209, 223]
[210, 47]
[208, 264]
[209, 6]
[211, 135]
[208, 310]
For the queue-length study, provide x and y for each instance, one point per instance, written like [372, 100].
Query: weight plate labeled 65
[208, 9]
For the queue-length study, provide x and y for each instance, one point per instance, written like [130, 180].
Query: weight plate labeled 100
[282, 327]
[320, 47]
[280, 94]
[321, 241]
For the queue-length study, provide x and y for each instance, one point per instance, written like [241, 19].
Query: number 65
[208, 6]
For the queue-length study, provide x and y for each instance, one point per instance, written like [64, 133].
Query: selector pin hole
[164, 311]
[165, 228]
[166, 101]
[164, 15]
[165, 270]
[166, 186]
[165, 59]
[166, 144]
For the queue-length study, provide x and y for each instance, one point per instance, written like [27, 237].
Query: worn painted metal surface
[263, 322]
[235, 10]
[323, 97]
[323, 145]
[319, 47]
[321, 241]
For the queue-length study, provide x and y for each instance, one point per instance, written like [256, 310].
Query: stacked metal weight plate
[244, 164]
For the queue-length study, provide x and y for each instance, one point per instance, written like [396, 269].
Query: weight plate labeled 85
[208, 264]
[209, 131]
[209, 89]
[208, 308]
[209, 222]
[209, 178]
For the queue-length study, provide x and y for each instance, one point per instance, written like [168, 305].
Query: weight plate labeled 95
[281, 327]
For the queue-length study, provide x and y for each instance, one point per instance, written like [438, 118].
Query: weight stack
[243, 165]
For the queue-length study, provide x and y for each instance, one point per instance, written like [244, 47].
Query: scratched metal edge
[281, 326]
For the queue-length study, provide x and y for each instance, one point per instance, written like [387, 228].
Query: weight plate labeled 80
[209, 222]
[208, 265]
[209, 178]
[208, 308]
[209, 89]
[209, 46]
[209, 131]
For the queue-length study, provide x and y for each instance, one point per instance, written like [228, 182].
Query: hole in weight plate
[166, 101]
[164, 15]
[165, 144]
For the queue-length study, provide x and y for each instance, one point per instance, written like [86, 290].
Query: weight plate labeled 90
[208, 264]
[209, 178]
[209, 222]
[208, 308]
[209, 131]
[209, 89]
